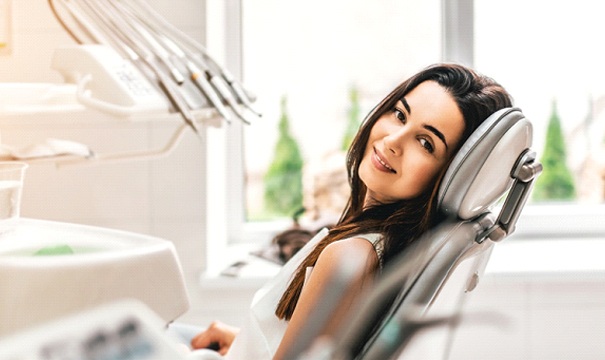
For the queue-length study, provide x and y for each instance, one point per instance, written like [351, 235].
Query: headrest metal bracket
[488, 227]
[524, 173]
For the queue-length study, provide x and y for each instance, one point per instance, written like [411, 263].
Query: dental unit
[130, 63]
[66, 287]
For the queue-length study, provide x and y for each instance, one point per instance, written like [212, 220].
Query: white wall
[164, 197]
[534, 316]
[35, 33]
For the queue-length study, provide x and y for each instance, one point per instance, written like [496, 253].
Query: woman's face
[410, 144]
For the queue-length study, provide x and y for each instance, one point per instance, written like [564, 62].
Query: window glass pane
[547, 54]
[317, 54]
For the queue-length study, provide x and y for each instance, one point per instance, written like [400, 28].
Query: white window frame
[225, 163]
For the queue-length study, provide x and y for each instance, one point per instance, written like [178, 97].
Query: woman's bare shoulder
[355, 249]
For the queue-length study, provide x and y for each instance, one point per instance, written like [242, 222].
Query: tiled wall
[163, 197]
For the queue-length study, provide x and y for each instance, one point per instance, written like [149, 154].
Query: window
[316, 53]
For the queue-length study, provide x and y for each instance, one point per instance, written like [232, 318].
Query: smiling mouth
[382, 162]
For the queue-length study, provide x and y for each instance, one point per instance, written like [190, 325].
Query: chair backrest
[427, 284]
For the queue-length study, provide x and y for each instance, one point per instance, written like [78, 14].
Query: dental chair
[424, 289]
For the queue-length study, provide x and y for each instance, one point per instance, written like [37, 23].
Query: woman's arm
[357, 252]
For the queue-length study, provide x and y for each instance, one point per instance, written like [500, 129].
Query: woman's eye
[399, 115]
[427, 145]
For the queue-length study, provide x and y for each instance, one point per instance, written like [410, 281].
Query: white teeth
[383, 163]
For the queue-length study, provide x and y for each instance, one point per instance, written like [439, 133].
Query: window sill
[253, 274]
[573, 259]
[561, 220]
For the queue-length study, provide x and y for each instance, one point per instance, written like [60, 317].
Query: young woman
[394, 165]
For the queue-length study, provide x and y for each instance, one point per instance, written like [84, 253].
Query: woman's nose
[394, 141]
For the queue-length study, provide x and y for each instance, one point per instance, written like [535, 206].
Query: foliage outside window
[283, 180]
[326, 190]
[354, 119]
[556, 181]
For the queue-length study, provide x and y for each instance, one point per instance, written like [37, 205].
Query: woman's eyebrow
[406, 105]
[437, 133]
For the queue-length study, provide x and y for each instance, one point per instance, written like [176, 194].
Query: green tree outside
[556, 181]
[283, 180]
[354, 120]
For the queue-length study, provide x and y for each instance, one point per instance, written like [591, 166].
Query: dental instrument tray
[51, 269]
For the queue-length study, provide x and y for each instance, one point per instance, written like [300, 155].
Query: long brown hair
[401, 222]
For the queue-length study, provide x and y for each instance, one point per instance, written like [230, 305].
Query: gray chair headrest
[480, 173]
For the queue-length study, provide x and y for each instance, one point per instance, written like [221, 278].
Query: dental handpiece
[218, 83]
[200, 81]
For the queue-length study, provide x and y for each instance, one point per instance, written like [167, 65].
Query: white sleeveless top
[263, 331]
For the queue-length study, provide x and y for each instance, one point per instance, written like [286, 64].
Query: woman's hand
[218, 336]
